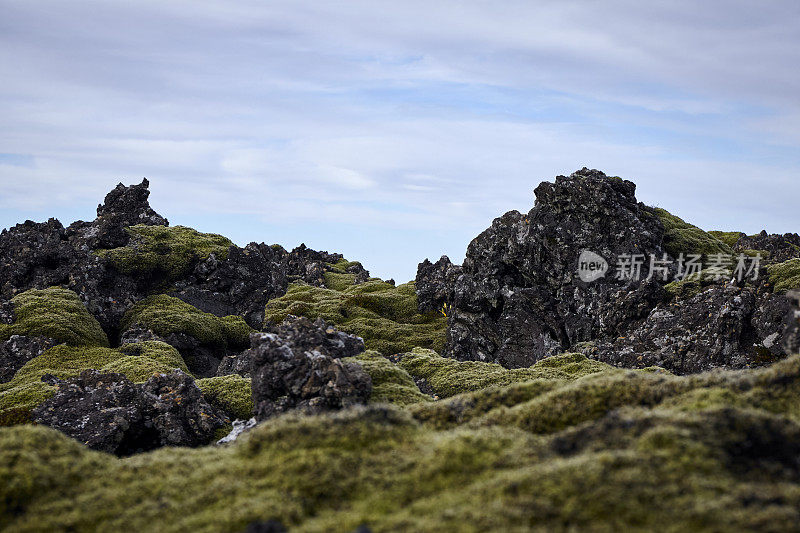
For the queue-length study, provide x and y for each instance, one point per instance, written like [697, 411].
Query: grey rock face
[107, 412]
[298, 366]
[18, 350]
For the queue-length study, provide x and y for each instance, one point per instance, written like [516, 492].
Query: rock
[308, 265]
[239, 427]
[519, 299]
[123, 207]
[780, 248]
[297, 366]
[266, 526]
[18, 350]
[435, 284]
[239, 285]
[107, 412]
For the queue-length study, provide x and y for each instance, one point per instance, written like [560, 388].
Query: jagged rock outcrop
[241, 284]
[520, 297]
[779, 248]
[298, 365]
[435, 284]
[107, 412]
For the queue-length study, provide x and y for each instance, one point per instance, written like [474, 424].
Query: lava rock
[780, 248]
[123, 207]
[107, 412]
[241, 284]
[435, 283]
[298, 366]
[18, 350]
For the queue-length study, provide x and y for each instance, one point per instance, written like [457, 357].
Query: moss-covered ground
[57, 313]
[165, 314]
[574, 448]
[385, 316]
[680, 237]
[784, 276]
[163, 252]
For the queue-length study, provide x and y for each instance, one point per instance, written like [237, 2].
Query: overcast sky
[395, 131]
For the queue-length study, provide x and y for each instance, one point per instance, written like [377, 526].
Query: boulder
[18, 350]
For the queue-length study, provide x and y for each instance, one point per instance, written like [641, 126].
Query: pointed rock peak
[128, 206]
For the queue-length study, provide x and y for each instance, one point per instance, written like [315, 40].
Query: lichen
[232, 394]
[163, 252]
[385, 316]
[680, 237]
[165, 314]
[784, 276]
[390, 383]
[57, 313]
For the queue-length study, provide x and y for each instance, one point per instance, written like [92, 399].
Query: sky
[395, 131]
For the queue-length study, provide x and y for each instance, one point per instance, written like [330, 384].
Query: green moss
[385, 316]
[686, 288]
[682, 237]
[138, 362]
[449, 377]
[57, 313]
[390, 383]
[728, 237]
[232, 394]
[165, 252]
[165, 314]
[784, 276]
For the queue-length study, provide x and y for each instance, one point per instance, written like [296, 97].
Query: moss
[385, 316]
[687, 288]
[165, 314]
[390, 383]
[138, 362]
[784, 276]
[449, 377]
[165, 252]
[57, 313]
[728, 237]
[682, 237]
[232, 394]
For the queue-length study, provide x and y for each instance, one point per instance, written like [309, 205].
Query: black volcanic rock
[518, 298]
[107, 412]
[241, 284]
[435, 284]
[18, 350]
[298, 366]
[779, 247]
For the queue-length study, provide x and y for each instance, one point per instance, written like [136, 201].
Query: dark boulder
[239, 285]
[298, 366]
[435, 284]
[107, 412]
[779, 248]
[124, 207]
[18, 350]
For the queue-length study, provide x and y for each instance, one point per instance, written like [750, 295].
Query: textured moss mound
[232, 394]
[57, 313]
[390, 383]
[138, 362]
[385, 316]
[165, 252]
[784, 276]
[682, 464]
[449, 377]
[728, 237]
[682, 237]
[165, 314]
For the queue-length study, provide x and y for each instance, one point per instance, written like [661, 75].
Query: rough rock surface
[519, 298]
[779, 247]
[107, 412]
[18, 350]
[241, 284]
[435, 283]
[297, 366]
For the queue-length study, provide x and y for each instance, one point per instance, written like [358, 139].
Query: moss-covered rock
[784, 276]
[137, 361]
[232, 394]
[390, 383]
[448, 377]
[165, 314]
[680, 237]
[385, 316]
[56, 313]
[164, 252]
[728, 237]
